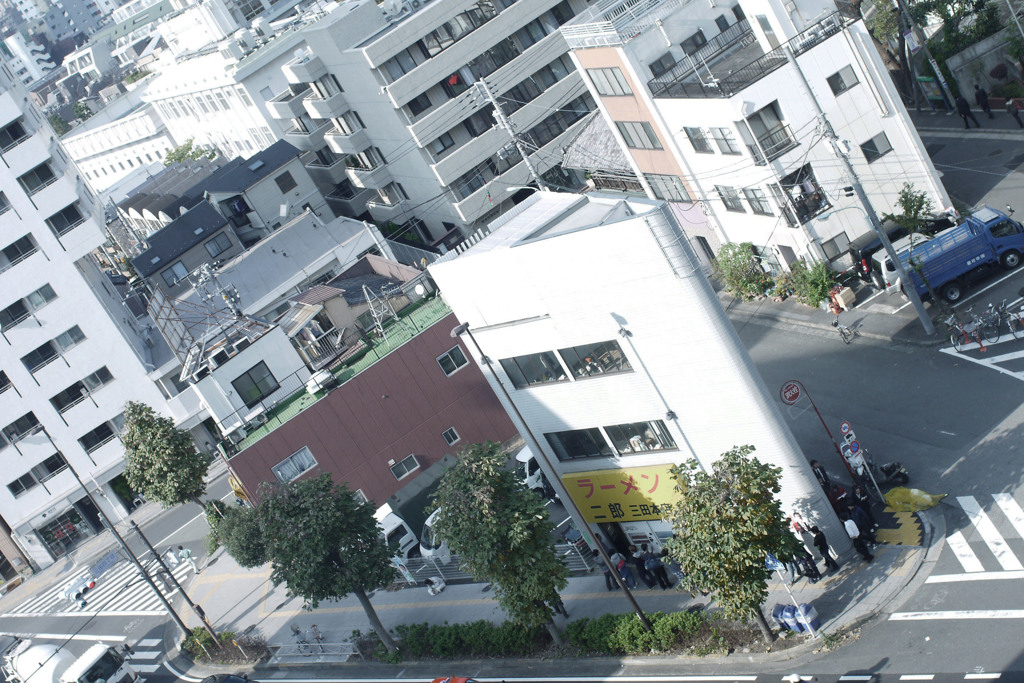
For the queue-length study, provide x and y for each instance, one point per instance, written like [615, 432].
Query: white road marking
[145, 668]
[959, 614]
[149, 642]
[855, 677]
[983, 576]
[900, 308]
[985, 289]
[67, 636]
[147, 654]
[963, 552]
[1012, 510]
[943, 431]
[917, 677]
[979, 677]
[989, 533]
[983, 363]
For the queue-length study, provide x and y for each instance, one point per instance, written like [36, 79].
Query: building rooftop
[170, 189]
[595, 148]
[177, 237]
[242, 175]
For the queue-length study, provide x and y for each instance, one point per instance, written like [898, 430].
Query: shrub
[812, 285]
[618, 634]
[478, 638]
[741, 271]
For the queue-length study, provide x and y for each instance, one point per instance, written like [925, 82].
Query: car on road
[867, 245]
[77, 588]
[228, 678]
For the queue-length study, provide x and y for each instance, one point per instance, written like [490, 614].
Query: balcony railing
[776, 142]
[10, 264]
[737, 34]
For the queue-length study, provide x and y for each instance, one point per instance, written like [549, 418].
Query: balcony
[332, 173]
[304, 70]
[383, 211]
[318, 108]
[307, 141]
[347, 144]
[371, 178]
[351, 201]
[288, 104]
[733, 60]
[30, 153]
[775, 143]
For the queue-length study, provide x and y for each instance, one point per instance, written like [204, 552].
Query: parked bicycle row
[989, 326]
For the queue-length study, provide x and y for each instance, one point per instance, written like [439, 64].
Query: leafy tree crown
[161, 460]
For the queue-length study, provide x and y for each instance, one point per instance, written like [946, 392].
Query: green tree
[161, 460]
[242, 537]
[188, 151]
[81, 110]
[502, 533]
[915, 208]
[325, 544]
[740, 269]
[813, 284]
[726, 522]
[59, 125]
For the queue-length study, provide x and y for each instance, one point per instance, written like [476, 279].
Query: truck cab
[396, 531]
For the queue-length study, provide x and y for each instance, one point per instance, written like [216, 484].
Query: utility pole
[869, 210]
[506, 125]
[195, 608]
[950, 101]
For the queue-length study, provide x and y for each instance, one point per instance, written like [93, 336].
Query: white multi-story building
[28, 60]
[388, 98]
[617, 381]
[732, 106]
[72, 355]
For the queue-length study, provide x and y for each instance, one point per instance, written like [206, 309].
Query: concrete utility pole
[950, 101]
[869, 210]
[506, 125]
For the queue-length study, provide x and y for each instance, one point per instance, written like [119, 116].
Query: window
[255, 384]
[39, 356]
[441, 144]
[451, 437]
[668, 187]
[419, 105]
[662, 64]
[1005, 228]
[21, 484]
[725, 141]
[694, 43]
[589, 360]
[50, 467]
[579, 443]
[609, 82]
[36, 179]
[285, 182]
[730, 197]
[638, 134]
[699, 140]
[842, 80]
[722, 22]
[452, 360]
[534, 368]
[407, 466]
[65, 220]
[876, 148]
[637, 437]
[295, 465]
[173, 275]
[5, 382]
[360, 496]
[218, 245]
[41, 297]
[758, 201]
[69, 338]
[836, 246]
[21, 427]
[11, 135]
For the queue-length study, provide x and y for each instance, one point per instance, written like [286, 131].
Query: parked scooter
[890, 473]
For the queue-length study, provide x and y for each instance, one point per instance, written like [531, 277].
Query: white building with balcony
[731, 105]
[71, 355]
[28, 59]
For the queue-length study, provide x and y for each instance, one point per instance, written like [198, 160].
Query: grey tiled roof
[195, 225]
[255, 168]
[595, 149]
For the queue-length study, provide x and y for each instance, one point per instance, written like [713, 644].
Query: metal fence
[312, 653]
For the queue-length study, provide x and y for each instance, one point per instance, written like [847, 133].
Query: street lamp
[570, 504]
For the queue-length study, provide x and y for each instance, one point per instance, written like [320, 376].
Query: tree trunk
[375, 624]
[762, 623]
[553, 630]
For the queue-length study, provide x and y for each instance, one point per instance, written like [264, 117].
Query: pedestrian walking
[861, 499]
[1013, 109]
[619, 562]
[656, 567]
[821, 543]
[639, 561]
[862, 522]
[858, 541]
[981, 99]
[185, 555]
[964, 109]
[821, 475]
[609, 580]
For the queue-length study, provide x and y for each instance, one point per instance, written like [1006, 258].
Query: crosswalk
[989, 541]
[120, 591]
[148, 656]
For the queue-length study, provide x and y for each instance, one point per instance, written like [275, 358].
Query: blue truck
[955, 257]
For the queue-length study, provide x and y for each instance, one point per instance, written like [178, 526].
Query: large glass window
[699, 140]
[638, 135]
[218, 245]
[842, 80]
[730, 197]
[50, 467]
[65, 220]
[725, 140]
[295, 465]
[255, 384]
[174, 274]
[533, 368]
[405, 467]
[637, 437]
[609, 81]
[588, 360]
[451, 360]
[97, 437]
[668, 187]
[22, 484]
[579, 443]
[758, 201]
[20, 427]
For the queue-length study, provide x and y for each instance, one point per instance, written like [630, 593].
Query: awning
[296, 318]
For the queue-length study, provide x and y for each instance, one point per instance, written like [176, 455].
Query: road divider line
[995, 541]
[958, 614]
[983, 576]
[856, 677]
[962, 549]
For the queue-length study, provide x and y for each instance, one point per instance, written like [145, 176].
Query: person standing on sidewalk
[820, 474]
[821, 543]
[858, 541]
[1013, 109]
[964, 109]
[981, 98]
[609, 580]
[862, 501]
[185, 555]
[656, 567]
[639, 561]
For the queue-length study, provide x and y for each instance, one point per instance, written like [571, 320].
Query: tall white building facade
[71, 355]
[733, 105]
[29, 61]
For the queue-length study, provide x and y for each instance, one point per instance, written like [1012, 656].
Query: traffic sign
[790, 392]
[855, 447]
[772, 563]
[845, 427]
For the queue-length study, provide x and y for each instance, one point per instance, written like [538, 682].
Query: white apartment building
[28, 60]
[387, 98]
[608, 347]
[71, 357]
[729, 104]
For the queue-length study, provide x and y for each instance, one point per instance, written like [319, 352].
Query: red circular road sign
[845, 427]
[790, 393]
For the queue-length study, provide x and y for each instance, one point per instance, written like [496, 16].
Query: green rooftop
[411, 321]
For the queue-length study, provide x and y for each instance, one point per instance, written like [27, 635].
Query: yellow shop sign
[634, 494]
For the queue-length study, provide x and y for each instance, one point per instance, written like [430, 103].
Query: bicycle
[962, 334]
[1014, 321]
[845, 332]
[318, 637]
[990, 320]
[302, 645]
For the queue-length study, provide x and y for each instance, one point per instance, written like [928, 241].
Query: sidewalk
[1002, 126]
[858, 592]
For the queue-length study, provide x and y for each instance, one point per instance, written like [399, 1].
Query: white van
[430, 544]
[883, 266]
[531, 474]
[395, 531]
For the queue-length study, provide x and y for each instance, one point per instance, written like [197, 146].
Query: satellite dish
[420, 290]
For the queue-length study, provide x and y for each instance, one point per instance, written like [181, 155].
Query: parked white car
[430, 544]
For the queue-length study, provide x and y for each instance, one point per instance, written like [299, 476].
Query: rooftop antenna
[381, 310]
